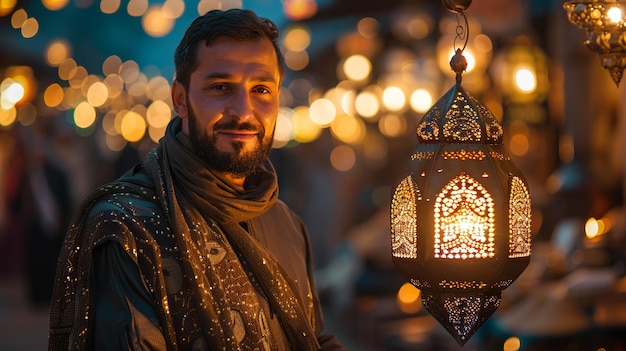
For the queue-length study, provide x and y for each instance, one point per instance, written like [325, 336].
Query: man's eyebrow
[218, 75]
[268, 78]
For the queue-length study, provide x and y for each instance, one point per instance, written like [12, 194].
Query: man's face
[229, 111]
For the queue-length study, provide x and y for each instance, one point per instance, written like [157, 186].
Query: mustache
[234, 125]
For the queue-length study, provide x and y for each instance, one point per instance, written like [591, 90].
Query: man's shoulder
[132, 194]
[281, 212]
[281, 206]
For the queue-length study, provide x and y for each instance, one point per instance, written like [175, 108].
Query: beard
[239, 163]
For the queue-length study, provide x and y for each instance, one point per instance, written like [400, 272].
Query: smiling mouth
[238, 134]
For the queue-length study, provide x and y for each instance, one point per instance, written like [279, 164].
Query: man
[192, 250]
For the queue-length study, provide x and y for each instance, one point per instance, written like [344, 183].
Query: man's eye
[219, 87]
[262, 90]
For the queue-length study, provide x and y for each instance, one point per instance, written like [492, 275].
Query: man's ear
[179, 99]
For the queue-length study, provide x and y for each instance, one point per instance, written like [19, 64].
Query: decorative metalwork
[519, 219]
[420, 284]
[428, 129]
[465, 121]
[605, 27]
[462, 285]
[404, 220]
[463, 314]
[499, 156]
[422, 155]
[464, 155]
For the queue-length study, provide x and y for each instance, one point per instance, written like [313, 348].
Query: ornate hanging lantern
[605, 27]
[460, 220]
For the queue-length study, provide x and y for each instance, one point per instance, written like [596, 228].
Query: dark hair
[235, 23]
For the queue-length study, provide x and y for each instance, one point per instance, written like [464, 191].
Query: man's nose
[241, 105]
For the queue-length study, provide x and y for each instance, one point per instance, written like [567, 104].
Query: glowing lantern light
[460, 220]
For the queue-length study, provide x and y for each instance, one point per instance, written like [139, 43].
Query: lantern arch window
[519, 219]
[464, 220]
[404, 219]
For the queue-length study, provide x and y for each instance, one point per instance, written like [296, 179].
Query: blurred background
[85, 94]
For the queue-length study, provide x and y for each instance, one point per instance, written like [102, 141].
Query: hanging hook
[462, 32]
[458, 63]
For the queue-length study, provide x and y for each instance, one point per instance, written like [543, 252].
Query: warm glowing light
[18, 18]
[366, 104]
[11, 92]
[421, 100]
[394, 98]
[368, 27]
[66, 67]
[84, 115]
[56, 52]
[471, 61]
[133, 126]
[158, 88]
[108, 123]
[205, 6]
[322, 112]
[7, 116]
[299, 9]
[54, 5]
[77, 76]
[109, 6]
[27, 115]
[111, 65]
[6, 6]
[343, 158]
[30, 28]
[296, 60]
[418, 27]
[158, 114]
[483, 43]
[115, 85]
[284, 128]
[129, 71]
[53, 95]
[137, 8]
[512, 344]
[592, 228]
[392, 125]
[156, 134]
[357, 67]
[464, 220]
[97, 94]
[348, 129]
[24, 76]
[525, 80]
[115, 142]
[155, 23]
[304, 129]
[138, 87]
[297, 39]
[71, 98]
[595, 227]
[173, 8]
[347, 101]
[409, 298]
[614, 14]
[519, 144]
